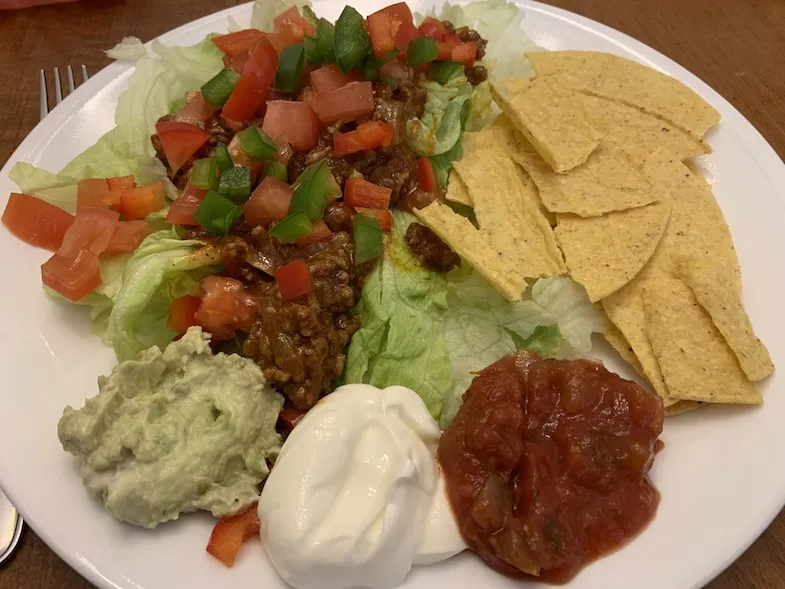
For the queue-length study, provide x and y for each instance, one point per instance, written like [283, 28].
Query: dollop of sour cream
[356, 497]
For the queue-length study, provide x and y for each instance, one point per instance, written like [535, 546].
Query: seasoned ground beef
[338, 217]
[432, 253]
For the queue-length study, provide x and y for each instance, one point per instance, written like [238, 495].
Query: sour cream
[356, 497]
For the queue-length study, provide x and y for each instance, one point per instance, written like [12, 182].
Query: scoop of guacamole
[176, 431]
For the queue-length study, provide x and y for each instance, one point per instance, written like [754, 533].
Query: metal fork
[58, 87]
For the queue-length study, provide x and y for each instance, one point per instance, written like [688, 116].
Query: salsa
[546, 464]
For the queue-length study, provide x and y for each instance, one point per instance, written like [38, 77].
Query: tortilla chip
[552, 120]
[695, 361]
[457, 191]
[532, 198]
[619, 343]
[474, 247]
[609, 181]
[681, 407]
[604, 253]
[630, 83]
[639, 133]
[498, 136]
[724, 306]
[503, 205]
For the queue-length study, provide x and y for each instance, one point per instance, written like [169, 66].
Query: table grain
[737, 46]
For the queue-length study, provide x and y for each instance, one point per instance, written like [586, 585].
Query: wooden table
[737, 46]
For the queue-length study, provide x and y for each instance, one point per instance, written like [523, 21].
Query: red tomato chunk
[361, 193]
[230, 532]
[347, 103]
[294, 121]
[294, 280]
[225, 307]
[182, 313]
[37, 222]
[268, 203]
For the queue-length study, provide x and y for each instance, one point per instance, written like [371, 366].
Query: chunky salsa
[546, 464]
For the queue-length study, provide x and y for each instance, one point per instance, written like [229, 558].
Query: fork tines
[57, 86]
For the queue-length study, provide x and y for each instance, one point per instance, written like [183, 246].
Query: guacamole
[176, 431]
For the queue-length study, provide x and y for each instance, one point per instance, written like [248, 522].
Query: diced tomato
[294, 280]
[239, 156]
[180, 141]
[363, 194]
[291, 27]
[139, 202]
[369, 135]
[445, 50]
[121, 182]
[435, 28]
[268, 203]
[230, 532]
[428, 181]
[295, 121]
[331, 77]
[384, 216]
[347, 103]
[237, 62]
[182, 313]
[184, 208]
[74, 276]
[284, 149]
[91, 192]
[127, 236]
[290, 416]
[308, 95]
[395, 69]
[36, 221]
[92, 231]
[396, 21]
[238, 42]
[465, 53]
[254, 83]
[320, 232]
[225, 308]
[195, 110]
[277, 41]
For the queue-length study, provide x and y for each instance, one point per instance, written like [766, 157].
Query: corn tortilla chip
[473, 246]
[604, 253]
[507, 216]
[681, 407]
[695, 360]
[724, 306]
[498, 136]
[552, 120]
[628, 82]
[457, 191]
[608, 181]
[619, 343]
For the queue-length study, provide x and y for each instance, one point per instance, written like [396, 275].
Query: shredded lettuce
[440, 127]
[401, 342]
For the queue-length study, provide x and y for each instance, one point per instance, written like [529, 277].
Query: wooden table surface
[737, 46]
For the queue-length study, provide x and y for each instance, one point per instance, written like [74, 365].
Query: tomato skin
[396, 20]
[347, 103]
[230, 532]
[434, 28]
[428, 182]
[331, 77]
[445, 50]
[254, 83]
[225, 307]
[294, 280]
[121, 182]
[320, 232]
[295, 121]
[369, 135]
[465, 52]
[127, 237]
[384, 216]
[238, 42]
[72, 276]
[196, 110]
[290, 416]
[268, 203]
[182, 313]
[180, 141]
[184, 208]
[139, 202]
[92, 231]
[91, 192]
[292, 27]
[347, 144]
[363, 194]
[36, 221]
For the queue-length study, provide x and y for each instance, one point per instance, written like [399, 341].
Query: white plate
[720, 475]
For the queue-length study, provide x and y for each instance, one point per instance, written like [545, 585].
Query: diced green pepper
[352, 41]
[217, 213]
[222, 158]
[292, 227]
[257, 143]
[422, 50]
[235, 183]
[442, 71]
[368, 242]
[276, 169]
[289, 76]
[372, 64]
[310, 15]
[313, 190]
[325, 40]
[204, 174]
[217, 90]
[311, 48]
